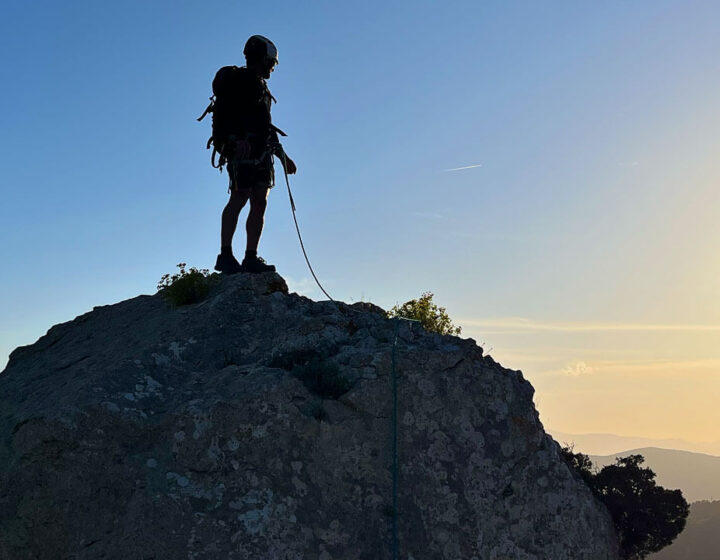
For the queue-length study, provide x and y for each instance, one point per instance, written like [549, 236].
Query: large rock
[258, 424]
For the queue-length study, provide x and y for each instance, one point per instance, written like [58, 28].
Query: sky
[548, 170]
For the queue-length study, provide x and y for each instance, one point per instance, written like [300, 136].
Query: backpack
[224, 111]
[219, 120]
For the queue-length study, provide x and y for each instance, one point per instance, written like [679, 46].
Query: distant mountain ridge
[696, 474]
[607, 444]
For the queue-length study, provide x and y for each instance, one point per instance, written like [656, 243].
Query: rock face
[257, 424]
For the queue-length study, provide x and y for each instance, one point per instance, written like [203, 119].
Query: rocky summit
[258, 424]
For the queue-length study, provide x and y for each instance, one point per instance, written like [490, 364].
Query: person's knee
[258, 203]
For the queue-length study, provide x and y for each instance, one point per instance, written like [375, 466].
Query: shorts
[258, 175]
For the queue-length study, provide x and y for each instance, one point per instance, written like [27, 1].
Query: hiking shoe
[256, 264]
[227, 264]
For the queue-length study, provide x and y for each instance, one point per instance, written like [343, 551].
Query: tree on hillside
[647, 517]
[699, 540]
[423, 309]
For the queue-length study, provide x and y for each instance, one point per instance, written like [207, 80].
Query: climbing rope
[297, 228]
[394, 422]
[394, 449]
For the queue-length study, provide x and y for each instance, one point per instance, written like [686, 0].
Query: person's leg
[226, 262]
[256, 217]
[230, 214]
[254, 227]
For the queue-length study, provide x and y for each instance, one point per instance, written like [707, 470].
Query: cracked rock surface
[257, 424]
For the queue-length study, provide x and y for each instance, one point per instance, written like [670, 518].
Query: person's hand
[242, 149]
[290, 166]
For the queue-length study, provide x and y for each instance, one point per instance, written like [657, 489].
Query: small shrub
[432, 318]
[187, 286]
[580, 463]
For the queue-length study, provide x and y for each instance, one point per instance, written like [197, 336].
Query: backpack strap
[221, 160]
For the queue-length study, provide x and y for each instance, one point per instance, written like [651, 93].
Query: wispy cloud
[519, 324]
[462, 168]
[432, 215]
[584, 363]
[578, 368]
[489, 236]
[668, 369]
[627, 163]
[459, 234]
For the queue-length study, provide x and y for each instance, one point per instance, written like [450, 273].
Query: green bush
[647, 517]
[187, 286]
[431, 317]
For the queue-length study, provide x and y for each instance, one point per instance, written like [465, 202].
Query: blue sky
[588, 224]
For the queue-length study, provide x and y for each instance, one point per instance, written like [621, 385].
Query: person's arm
[289, 164]
[278, 150]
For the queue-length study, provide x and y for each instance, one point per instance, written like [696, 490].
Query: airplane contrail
[461, 168]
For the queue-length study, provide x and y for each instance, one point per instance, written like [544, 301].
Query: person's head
[261, 55]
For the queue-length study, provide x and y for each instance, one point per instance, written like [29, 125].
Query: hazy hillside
[607, 444]
[696, 474]
[701, 538]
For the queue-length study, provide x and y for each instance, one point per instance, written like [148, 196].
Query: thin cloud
[432, 215]
[490, 236]
[577, 369]
[462, 168]
[623, 365]
[666, 369]
[518, 324]
[459, 234]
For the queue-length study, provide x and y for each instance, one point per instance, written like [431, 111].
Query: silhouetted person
[246, 139]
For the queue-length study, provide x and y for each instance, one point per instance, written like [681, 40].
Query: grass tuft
[186, 286]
